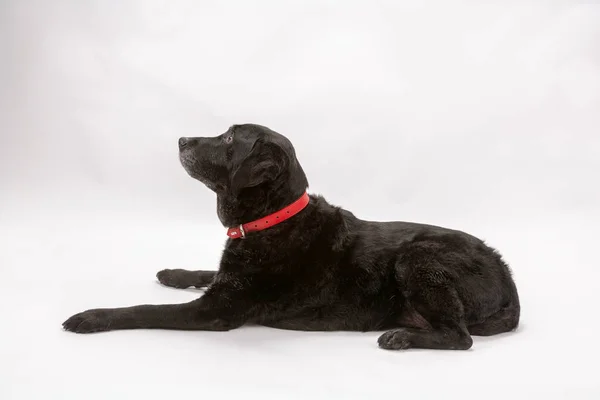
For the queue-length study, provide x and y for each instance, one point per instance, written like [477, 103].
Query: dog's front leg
[205, 313]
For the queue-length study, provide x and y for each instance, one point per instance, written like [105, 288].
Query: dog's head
[246, 156]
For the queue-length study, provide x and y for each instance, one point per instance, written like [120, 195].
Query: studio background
[479, 117]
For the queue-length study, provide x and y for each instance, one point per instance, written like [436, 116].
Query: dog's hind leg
[181, 278]
[504, 320]
[444, 311]
[426, 275]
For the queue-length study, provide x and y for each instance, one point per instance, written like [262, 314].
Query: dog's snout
[185, 142]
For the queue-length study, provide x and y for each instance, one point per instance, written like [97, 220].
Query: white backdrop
[483, 118]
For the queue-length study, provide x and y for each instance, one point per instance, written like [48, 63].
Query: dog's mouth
[190, 164]
[187, 160]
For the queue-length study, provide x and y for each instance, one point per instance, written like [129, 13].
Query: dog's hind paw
[397, 339]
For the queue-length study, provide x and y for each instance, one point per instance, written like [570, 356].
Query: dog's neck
[254, 203]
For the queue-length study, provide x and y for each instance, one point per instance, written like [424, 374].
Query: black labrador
[316, 267]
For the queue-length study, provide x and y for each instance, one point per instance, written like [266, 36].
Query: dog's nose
[183, 142]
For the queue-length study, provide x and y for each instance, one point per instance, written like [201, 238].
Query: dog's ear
[265, 162]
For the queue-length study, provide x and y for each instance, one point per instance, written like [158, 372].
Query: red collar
[270, 220]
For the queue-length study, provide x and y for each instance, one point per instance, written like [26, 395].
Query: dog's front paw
[89, 321]
[176, 278]
[397, 339]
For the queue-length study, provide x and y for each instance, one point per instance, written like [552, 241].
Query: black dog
[299, 263]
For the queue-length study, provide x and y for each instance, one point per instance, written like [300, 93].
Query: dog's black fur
[323, 269]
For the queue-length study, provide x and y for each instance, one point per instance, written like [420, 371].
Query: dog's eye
[229, 139]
